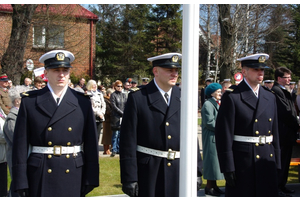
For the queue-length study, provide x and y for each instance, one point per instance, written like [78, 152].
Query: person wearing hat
[55, 146]
[203, 96]
[133, 84]
[209, 112]
[269, 83]
[246, 134]
[145, 81]
[5, 101]
[288, 125]
[150, 134]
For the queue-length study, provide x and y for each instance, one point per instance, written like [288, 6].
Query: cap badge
[261, 59]
[175, 58]
[60, 56]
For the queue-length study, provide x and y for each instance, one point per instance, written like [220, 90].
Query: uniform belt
[170, 155]
[260, 139]
[56, 150]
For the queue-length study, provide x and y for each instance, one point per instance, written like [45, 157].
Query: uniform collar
[254, 92]
[163, 92]
[55, 96]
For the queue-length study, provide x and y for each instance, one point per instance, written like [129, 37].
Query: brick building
[56, 26]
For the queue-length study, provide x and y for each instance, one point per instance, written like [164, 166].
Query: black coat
[118, 101]
[255, 166]
[149, 122]
[288, 124]
[41, 122]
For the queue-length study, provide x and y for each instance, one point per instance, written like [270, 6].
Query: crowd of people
[248, 131]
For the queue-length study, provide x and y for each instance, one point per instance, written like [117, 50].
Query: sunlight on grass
[110, 183]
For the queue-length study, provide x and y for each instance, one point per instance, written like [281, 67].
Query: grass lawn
[110, 178]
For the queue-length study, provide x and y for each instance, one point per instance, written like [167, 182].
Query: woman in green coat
[209, 112]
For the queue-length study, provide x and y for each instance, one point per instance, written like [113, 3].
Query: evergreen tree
[128, 34]
[287, 53]
[166, 26]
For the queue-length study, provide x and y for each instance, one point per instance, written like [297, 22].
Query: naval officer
[247, 134]
[150, 134]
[55, 148]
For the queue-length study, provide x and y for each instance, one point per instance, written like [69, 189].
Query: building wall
[76, 40]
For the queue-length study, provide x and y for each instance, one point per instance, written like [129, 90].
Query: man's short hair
[279, 72]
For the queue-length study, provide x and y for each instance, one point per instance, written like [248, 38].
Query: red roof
[65, 9]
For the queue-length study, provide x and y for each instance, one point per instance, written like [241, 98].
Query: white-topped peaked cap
[255, 61]
[209, 80]
[57, 58]
[268, 81]
[167, 60]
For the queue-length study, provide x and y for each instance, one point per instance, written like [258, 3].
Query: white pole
[189, 101]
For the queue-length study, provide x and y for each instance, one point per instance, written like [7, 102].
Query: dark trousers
[286, 155]
[3, 179]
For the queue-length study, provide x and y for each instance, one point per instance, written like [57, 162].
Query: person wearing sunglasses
[118, 100]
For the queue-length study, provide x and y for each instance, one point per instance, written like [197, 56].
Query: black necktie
[57, 100]
[167, 97]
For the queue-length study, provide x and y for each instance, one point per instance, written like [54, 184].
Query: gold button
[169, 137]
[167, 124]
[67, 171]
[170, 149]
[49, 143]
[257, 156]
[271, 155]
[256, 132]
[270, 119]
[69, 129]
[49, 129]
[269, 132]
[67, 156]
[49, 171]
[269, 142]
[256, 144]
[169, 164]
[69, 143]
[256, 120]
[49, 156]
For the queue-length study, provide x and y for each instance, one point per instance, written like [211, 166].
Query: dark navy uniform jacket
[41, 122]
[149, 122]
[255, 165]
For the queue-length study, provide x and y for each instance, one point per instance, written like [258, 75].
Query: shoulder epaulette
[24, 94]
[134, 89]
[231, 88]
[87, 94]
[28, 93]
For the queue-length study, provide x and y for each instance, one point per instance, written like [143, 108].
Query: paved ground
[201, 193]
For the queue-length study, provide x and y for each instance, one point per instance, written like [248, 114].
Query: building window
[54, 38]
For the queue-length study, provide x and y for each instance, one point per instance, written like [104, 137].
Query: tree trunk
[226, 41]
[12, 61]
[207, 74]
